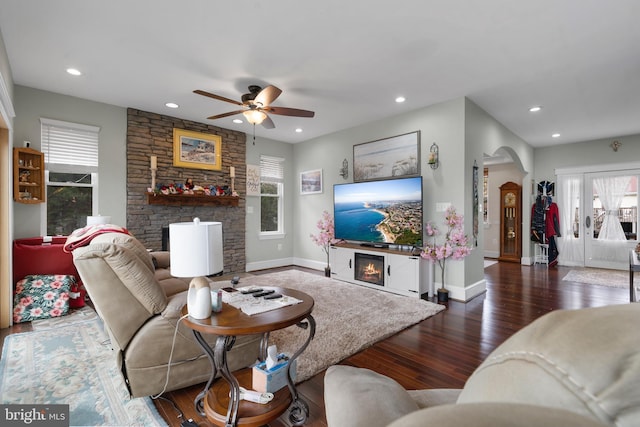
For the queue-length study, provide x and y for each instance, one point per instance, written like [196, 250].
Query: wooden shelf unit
[28, 176]
[191, 200]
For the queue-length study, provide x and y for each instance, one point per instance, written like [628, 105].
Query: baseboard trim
[272, 263]
[469, 292]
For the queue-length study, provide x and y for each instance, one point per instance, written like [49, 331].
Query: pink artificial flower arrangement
[326, 235]
[455, 244]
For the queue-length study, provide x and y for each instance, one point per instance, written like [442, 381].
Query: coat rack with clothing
[545, 224]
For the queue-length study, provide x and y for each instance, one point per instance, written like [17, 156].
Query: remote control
[252, 291]
[273, 296]
[261, 294]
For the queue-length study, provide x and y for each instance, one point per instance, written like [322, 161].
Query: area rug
[348, 318]
[71, 363]
[598, 276]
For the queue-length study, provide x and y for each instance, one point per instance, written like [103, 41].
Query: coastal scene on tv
[386, 212]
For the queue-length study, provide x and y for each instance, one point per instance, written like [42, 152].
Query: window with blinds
[271, 195]
[71, 162]
[67, 144]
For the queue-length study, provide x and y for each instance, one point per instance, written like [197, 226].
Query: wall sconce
[344, 171]
[615, 145]
[433, 156]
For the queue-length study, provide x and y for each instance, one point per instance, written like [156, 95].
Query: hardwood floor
[442, 351]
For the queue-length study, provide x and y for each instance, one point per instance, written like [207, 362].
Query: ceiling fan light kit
[256, 105]
[255, 117]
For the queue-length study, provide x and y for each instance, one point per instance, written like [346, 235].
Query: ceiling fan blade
[230, 113]
[218, 97]
[284, 111]
[268, 123]
[267, 95]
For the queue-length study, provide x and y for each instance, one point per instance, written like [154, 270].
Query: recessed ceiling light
[555, 135]
[171, 105]
[535, 109]
[400, 99]
[298, 130]
[237, 121]
[74, 72]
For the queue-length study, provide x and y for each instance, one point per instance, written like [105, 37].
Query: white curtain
[571, 244]
[611, 191]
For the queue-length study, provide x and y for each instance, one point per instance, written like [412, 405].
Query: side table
[220, 400]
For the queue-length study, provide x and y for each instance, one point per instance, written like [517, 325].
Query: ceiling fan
[256, 104]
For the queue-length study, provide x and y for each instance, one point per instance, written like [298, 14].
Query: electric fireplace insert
[369, 268]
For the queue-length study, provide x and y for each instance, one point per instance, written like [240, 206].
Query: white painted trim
[272, 263]
[526, 260]
[491, 254]
[6, 106]
[597, 168]
[69, 125]
[468, 292]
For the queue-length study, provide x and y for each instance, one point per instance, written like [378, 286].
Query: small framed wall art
[311, 182]
[196, 150]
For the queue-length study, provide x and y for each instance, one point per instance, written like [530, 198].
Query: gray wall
[588, 153]
[266, 253]
[463, 133]
[31, 105]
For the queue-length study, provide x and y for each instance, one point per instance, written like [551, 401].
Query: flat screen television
[379, 213]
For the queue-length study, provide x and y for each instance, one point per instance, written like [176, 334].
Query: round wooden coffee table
[220, 401]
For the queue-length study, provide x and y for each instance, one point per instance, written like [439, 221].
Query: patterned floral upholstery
[41, 297]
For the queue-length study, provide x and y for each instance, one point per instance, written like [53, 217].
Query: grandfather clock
[510, 222]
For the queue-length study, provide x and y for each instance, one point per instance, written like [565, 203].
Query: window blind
[67, 144]
[272, 168]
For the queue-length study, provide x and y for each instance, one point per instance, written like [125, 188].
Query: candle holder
[153, 178]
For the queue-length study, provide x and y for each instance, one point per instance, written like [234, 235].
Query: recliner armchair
[140, 304]
[567, 368]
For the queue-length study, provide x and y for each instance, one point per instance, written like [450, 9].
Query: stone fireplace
[152, 134]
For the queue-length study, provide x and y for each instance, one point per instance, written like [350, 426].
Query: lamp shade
[196, 248]
[98, 219]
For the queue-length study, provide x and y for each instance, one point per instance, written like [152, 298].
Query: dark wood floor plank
[442, 351]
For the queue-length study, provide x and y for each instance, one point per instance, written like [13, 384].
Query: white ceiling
[345, 60]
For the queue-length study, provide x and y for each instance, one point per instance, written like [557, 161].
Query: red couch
[36, 256]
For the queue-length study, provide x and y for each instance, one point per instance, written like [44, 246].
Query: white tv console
[399, 271]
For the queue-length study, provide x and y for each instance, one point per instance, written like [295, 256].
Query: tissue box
[271, 380]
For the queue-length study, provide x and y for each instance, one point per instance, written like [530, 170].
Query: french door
[600, 218]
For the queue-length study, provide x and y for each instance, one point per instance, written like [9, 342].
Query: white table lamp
[196, 251]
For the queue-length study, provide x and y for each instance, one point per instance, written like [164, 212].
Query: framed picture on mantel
[197, 150]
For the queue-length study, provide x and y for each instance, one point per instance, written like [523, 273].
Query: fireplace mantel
[191, 200]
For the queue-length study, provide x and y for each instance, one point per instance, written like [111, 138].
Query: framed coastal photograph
[311, 182]
[394, 157]
[196, 150]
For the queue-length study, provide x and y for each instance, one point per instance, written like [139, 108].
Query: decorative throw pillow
[41, 297]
